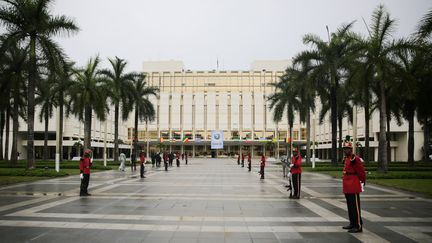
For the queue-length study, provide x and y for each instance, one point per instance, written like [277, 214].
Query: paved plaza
[209, 200]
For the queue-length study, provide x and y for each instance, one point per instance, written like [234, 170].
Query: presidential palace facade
[193, 104]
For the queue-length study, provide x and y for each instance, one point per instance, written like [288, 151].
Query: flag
[288, 140]
[185, 139]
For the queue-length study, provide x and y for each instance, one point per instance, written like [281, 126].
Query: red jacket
[243, 156]
[263, 160]
[353, 174]
[186, 156]
[296, 162]
[142, 158]
[249, 158]
[85, 165]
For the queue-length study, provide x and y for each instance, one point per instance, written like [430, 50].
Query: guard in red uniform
[165, 159]
[354, 178]
[177, 159]
[243, 157]
[142, 161]
[249, 162]
[262, 165]
[296, 173]
[85, 164]
[186, 155]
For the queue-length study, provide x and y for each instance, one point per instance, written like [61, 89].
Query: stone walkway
[209, 200]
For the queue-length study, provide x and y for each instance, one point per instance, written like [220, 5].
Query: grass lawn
[7, 180]
[413, 185]
[401, 180]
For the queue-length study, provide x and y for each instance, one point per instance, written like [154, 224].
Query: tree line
[375, 72]
[35, 71]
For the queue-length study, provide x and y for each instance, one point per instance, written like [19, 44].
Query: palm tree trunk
[308, 128]
[135, 135]
[333, 111]
[45, 152]
[367, 118]
[2, 125]
[31, 103]
[15, 126]
[60, 132]
[388, 138]
[87, 127]
[340, 151]
[382, 144]
[116, 123]
[411, 138]
[6, 157]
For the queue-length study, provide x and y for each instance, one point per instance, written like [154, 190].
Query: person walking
[249, 162]
[122, 159]
[353, 181]
[296, 173]
[142, 161]
[262, 165]
[238, 159]
[84, 166]
[186, 155]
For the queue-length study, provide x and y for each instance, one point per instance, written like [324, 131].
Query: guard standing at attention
[243, 157]
[85, 164]
[249, 162]
[296, 173]
[262, 165]
[142, 161]
[353, 181]
[177, 155]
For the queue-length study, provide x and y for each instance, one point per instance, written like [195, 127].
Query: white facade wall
[223, 111]
[235, 111]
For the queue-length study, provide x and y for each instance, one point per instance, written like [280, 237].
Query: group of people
[122, 160]
[168, 159]
[353, 182]
[241, 157]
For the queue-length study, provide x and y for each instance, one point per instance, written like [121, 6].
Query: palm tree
[378, 49]
[46, 101]
[329, 59]
[63, 79]
[30, 23]
[144, 109]
[87, 93]
[306, 90]
[424, 28]
[120, 94]
[285, 97]
[424, 99]
[12, 86]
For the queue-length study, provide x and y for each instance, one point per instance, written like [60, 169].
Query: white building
[191, 104]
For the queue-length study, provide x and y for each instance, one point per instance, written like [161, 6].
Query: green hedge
[34, 172]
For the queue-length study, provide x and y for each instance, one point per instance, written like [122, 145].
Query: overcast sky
[200, 32]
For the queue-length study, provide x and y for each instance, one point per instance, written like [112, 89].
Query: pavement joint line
[24, 203]
[364, 213]
[169, 228]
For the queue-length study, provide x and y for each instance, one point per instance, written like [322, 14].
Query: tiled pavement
[209, 200]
